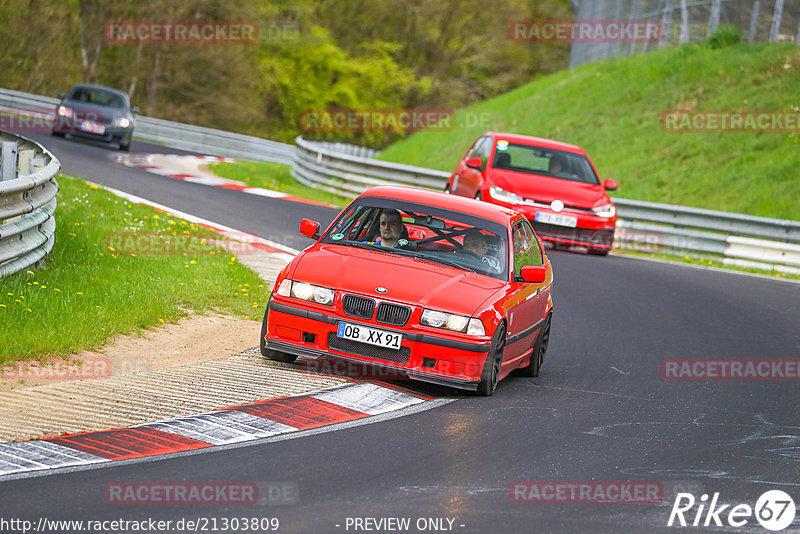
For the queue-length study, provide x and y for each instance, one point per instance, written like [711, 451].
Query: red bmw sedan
[438, 288]
[554, 184]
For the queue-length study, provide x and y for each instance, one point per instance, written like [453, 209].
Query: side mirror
[533, 274]
[61, 96]
[135, 109]
[475, 163]
[309, 228]
[610, 185]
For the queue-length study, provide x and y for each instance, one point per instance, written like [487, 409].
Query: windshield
[423, 232]
[97, 97]
[544, 162]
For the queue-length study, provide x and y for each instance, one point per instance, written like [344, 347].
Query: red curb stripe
[129, 443]
[302, 412]
[306, 201]
[267, 248]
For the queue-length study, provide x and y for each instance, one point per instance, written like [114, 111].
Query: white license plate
[373, 336]
[555, 218]
[92, 127]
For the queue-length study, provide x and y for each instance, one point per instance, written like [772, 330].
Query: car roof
[485, 210]
[101, 87]
[538, 141]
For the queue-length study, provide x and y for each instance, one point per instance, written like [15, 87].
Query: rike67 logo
[774, 510]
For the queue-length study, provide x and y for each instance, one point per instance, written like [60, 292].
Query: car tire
[478, 196]
[269, 353]
[539, 350]
[447, 189]
[125, 146]
[491, 370]
[598, 252]
[54, 133]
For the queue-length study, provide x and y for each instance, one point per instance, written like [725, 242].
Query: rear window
[97, 97]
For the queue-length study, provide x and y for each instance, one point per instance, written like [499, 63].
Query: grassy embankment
[118, 267]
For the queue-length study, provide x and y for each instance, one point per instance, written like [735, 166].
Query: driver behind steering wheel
[475, 243]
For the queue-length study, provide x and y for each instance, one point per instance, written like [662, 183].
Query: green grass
[613, 110]
[274, 176]
[90, 290]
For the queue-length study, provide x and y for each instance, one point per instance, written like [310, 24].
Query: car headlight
[64, 111]
[303, 291]
[450, 321]
[122, 122]
[608, 211]
[502, 195]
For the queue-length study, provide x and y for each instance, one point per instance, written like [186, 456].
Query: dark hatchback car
[96, 112]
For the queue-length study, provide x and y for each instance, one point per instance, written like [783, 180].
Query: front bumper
[441, 360]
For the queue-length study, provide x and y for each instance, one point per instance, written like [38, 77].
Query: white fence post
[754, 20]
[713, 20]
[776, 21]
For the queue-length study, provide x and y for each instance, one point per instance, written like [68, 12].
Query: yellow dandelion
[27, 310]
[193, 262]
[112, 249]
[18, 301]
[186, 265]
[79, 293]
[155, 216]
[255, 305]
[36, 283]
[212, 252]
[10, 294]
[56, 290]
[2, 305]
[161, 320]
[43, 287]
[29, 272]
[98, 307]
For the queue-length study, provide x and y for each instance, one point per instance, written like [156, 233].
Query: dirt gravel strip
[146, 396]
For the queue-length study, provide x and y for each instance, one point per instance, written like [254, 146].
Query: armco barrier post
[8, 161]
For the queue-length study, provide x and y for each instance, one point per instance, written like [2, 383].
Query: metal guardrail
[172, 134]
[645, 226]
[27, 203]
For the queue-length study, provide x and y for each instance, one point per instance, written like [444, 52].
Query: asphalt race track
[600, 411]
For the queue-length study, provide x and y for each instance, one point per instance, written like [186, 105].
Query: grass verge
[274, 176]
[118, 267]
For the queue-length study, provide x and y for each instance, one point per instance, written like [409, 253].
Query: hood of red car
[407, 280]
[548, 189]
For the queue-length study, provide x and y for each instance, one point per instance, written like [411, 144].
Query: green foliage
[310, 55]
[315, 75]
[725, 35]
[614, 111]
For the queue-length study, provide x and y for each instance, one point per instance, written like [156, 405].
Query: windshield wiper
[434, 259]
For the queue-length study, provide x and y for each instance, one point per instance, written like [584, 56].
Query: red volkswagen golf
[554, 184]
[435, 287]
